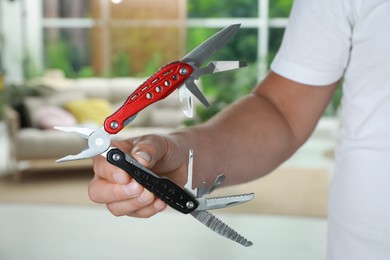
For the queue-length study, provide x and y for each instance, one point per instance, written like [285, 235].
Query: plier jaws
[98, 142]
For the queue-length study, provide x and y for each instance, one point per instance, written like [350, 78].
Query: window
[117, 38]
[131, 37]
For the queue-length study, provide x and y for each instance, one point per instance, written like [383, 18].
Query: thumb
[143, 157]
[149, 149]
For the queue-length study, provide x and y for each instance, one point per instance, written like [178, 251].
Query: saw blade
[215, 224]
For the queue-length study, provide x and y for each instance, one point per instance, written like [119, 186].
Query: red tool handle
[157, 87]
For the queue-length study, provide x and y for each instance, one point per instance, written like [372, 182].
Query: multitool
[179, 75]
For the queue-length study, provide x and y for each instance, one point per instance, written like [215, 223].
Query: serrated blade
[215, 224]
[223, 201]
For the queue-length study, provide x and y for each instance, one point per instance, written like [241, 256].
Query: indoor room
[75, 63]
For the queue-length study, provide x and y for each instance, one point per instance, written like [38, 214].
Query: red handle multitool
[176, 75]
[159, 86]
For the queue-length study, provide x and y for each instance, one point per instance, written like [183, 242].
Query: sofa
[74, 102]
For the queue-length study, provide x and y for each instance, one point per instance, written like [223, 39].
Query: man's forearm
[258, 132]
[244, 142]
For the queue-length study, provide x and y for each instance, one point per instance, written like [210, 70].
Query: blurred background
[72, 62]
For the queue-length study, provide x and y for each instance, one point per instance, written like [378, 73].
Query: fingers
[122, 194]
[103, 191]
[137, 208]
[125, 199]
[146, 212]
[109, 172]
[118, 190]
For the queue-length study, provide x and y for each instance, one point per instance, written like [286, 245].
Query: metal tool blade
[223, 202]
[84, 132]
[203, 190]
[213, 44]
[215, 224]
[98, 142]
[193, 88]
[220, 66]
[186, 97]
[188, 185]
[130, 119]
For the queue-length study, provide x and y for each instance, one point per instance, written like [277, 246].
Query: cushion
[34, 143]
[46, 117]
[32, 105]
[61, 98]
[90, 110]
[121, 88]
[93, 87]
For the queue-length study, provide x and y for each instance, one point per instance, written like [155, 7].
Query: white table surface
[59, 232]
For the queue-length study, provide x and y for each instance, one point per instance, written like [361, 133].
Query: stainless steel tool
[179, 75]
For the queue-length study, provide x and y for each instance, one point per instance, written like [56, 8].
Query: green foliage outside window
[222, 8]
[57, 57]
[229, 86]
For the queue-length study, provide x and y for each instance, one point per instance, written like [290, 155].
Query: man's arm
[244, 142]
[259, 132]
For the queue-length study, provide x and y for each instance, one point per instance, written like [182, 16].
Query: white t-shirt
[324, 41]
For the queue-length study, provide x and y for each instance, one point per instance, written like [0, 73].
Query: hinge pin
[190, 205]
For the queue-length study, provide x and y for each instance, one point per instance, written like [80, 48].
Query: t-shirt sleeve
[316, 44]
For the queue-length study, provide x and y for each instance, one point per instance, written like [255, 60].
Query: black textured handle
[162, 187]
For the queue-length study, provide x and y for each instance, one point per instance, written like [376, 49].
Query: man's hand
[121, 193]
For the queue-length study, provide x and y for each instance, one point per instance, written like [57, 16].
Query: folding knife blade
[215, 224]
[213, 44]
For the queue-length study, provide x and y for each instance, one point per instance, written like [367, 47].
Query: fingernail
[144, 156]
[131, 189]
